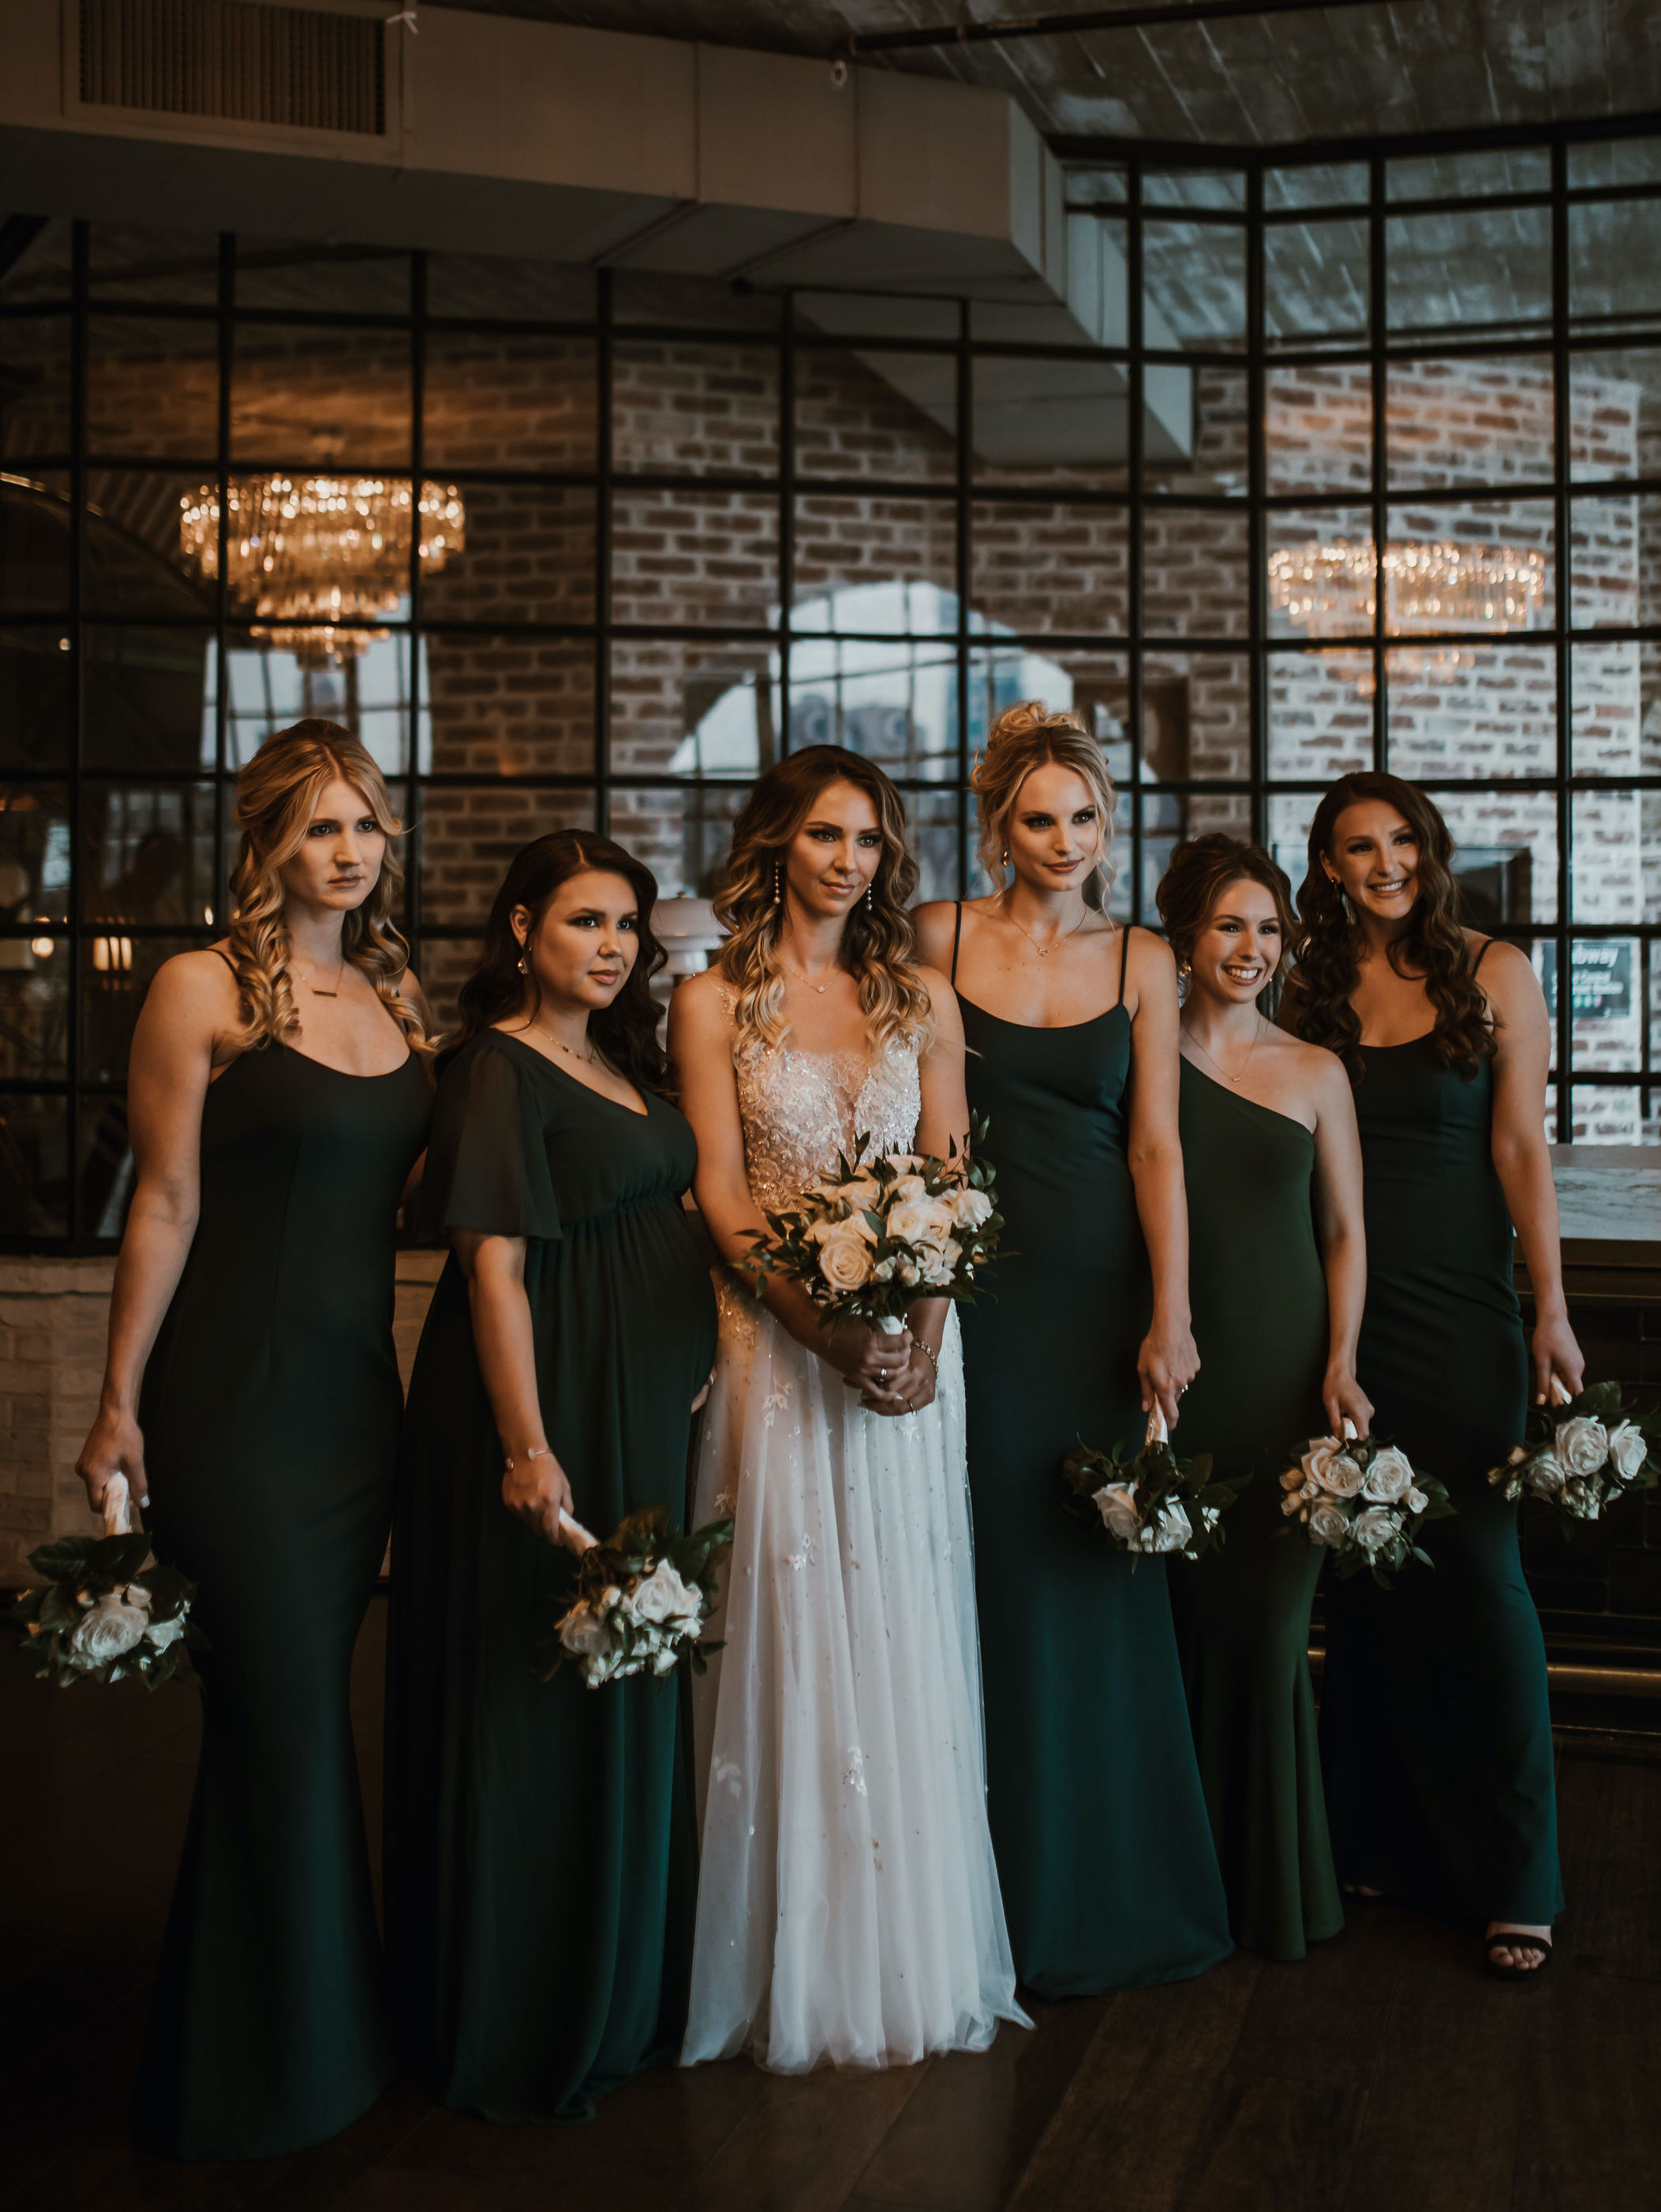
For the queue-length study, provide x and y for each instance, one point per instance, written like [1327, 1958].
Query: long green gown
[270, 1416]
[1259, 1299]
[1099, 1822]
[540, 1835]
[1435, 1726]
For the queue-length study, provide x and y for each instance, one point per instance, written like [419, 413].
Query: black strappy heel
[1512, 1939]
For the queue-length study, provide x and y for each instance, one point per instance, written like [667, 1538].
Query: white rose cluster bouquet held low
[1153, 1502]
[880, 1233]
[643, 1597]
[1364, 1501]
[96, 1620]
[1582, 1455]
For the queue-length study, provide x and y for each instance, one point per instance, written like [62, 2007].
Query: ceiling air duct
[234, 61]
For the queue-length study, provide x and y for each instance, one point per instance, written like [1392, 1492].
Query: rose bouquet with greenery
[882, 1232]
[1582, 1455]
[1152, 1501]
[643, 1597]
[1364, 1501]
[94, 1619]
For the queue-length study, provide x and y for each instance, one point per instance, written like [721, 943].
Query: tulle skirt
[848, 1906]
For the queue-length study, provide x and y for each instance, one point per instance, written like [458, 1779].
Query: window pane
[1318, 429]
[1616, 725]
[172, 267]
[325, 401]
[682, 833]
[1040, 568]
[1195, 577]
[1290, 814]
[148, 859]
[1320, 714]
[140, 563]
[116, 969]
[1316, 184]
[1505, 854]
[1321, 571]
[1315, 283]
[860, 563]
[34, 979]
[1615, 161]
[482, 285]
[1471, 710]
[508, 400]
[528, 558]
[1608, 857]
[34, 1166]
[1468, 176]
[34, 389]
[37, 698]
[1200, 188]
[1469, 273]
[367, 691]
[1206, 448]
[510, 706]
[697, 409]
[35, 525]
[153, 387]
[309, 276]
[890, 417]
[1471, 564]
[1615, 411]
[1615, 577]
[1051, 421]
[146, 692]
[467, 838]
[1194, 279]
[1615, 262]
[1469, 422]
[693, 556]
[895, 703]
[34, 854]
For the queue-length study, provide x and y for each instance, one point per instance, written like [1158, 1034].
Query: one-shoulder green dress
[1435, 1724]
[541, 1838]
[270, 1416]
[1099, 1821]
[1259, 1298]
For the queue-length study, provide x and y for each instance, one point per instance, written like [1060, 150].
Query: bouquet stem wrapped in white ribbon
[1582, 1455]
[1364, 1500]
[643, 1595]
[1154, 1502]
[96, 1620]
[880, 1233]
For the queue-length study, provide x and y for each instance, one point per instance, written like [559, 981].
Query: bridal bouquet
[95, 1620]
[1154, 1502]
[1364, 1500]
[1582, 1454]
[882, 1232]
[643, 1597]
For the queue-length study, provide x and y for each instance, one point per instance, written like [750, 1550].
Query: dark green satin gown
[1259, 1298]
[270, 1415]
[1435, 1726]
[540, 1835]
[1104, 1855]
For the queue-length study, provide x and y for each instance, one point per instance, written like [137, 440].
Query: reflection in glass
[1615, 729]
[366, 693]
[34, 854]
[1471, 272]
[34, 389]
[1320, 714]
[1196, 188]
[147, 858]
[1506, 853]
[1468, 176]
[511, 399]
[529, 557]
[1195, 275]
[1318, 428]
[1615, 578]
[309, 276]
[34, 1166]
[1316, 184]
[1471, 564]
[33, 1005]
[1465, 421]
[1039, 568]
[469, 837]
[1195, 577]
[692, 557]
[1316, 283]
[153, 387]
[1472, 710]
[695, 407]
[1064, 421]
[1321, 571]
[136, 566]
[1614, 412]
[144, 697]
[1615, 262]
[34, 543]
[327, 402]
[1614, 161]
[850, 546]
[890, 417]
[1606, 987]
[37, 697]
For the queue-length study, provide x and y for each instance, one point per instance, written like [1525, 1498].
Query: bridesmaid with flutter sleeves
[1435, 1728]
[278, 1100]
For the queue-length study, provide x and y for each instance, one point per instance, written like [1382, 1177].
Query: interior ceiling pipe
[860, 44]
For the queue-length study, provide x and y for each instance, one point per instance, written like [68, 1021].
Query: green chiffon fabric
[541, 1846]
[1104, 1855]
[1259, 1299]
[270, 1416]
[1435, 1724]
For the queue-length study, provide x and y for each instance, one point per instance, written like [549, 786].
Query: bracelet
[509, 1462]
[932, 1362]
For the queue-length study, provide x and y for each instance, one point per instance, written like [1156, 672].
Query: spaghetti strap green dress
[1242, 1607]
[541, 1838]
[1105, 1853]
[1435, 1724]
[271, 1409]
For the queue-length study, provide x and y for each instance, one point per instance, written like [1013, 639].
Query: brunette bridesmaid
[541, 1839]
[1277, 1265]
[1435, 1726]
[278, 1100]
[1105, 1853]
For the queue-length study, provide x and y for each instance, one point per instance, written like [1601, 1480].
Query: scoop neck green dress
[1435, 1720]
[1099, 1822]
[540, 1835]
[1258, 1294]
[270, 1410]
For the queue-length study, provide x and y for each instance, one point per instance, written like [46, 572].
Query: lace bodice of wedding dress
[800, 1110]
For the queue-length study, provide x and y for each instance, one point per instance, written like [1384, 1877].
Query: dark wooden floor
[1383, 2074]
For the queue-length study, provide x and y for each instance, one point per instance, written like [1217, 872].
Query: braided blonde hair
[276, 795]
[1024, 737]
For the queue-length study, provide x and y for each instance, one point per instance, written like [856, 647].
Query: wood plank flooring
[1385, 2073]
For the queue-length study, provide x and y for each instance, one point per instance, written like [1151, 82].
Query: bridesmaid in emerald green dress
[278, 1101]
[1435, 1726]
[540, 1835]
[1277, 1266]
[1105, 1859]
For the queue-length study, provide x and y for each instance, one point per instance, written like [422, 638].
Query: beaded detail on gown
[847, 1907]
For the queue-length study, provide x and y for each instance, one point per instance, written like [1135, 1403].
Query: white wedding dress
[847, 1901]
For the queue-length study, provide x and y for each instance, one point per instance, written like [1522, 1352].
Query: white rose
[109, 1629]
[1416, 1501]
[1373, 1528]
[920, 1221]
[1327, 1525]
[1292, 1503]
[1545, 1475]
[1581, 1500]
[1117, 1503]
[825, 1231]
[940, 1263]
[1582, 1444]
[1313, 1466]
[909, 1272]
[1343, 1478]
[1629, 1450]
[599, 1667]
[1170, 1528]
[666, 1661]
[664, 1600]
[863, 1191]
[970, 1206]
[161, 1634]
[907, 1189]
[845, 1261]
[1390, 1476]
[583, 1632]
[884, 1271]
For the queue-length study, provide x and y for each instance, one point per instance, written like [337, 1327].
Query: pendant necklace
[1234, 1081]
[339, 978]
[1044, 952]
[583, 1059]
[803, 978]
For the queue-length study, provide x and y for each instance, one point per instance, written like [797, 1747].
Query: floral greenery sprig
[1152, 1501]
[1364, 1501]
[1581, 1455]
[885, 1230]
[94, 1619]
[643, 1597]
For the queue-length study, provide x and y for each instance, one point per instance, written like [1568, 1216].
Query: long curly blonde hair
[1024, 737]
[878, 942]
[276, 795]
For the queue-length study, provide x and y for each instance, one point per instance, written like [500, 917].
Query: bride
[848, 1906]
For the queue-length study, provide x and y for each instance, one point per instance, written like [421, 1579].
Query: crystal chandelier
[1330, 589]
[321, 559]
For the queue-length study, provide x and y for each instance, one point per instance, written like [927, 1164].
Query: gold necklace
[1044, 952]
[1235, 1080]
[584, 1059]
[804, 978]
[340, 976]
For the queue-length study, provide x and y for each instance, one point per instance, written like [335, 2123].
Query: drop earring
[778, 871]
[523, 970]
[870, 900]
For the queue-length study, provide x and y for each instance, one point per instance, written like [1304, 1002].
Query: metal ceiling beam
[859, 45]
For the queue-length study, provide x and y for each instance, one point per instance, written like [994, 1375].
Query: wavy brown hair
[1201, 869]
[1024, 737]
[626, 1031]
[878, 941]
[1433, 945]
[276, 795]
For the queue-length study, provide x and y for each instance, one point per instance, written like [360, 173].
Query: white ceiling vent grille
[234, 61]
